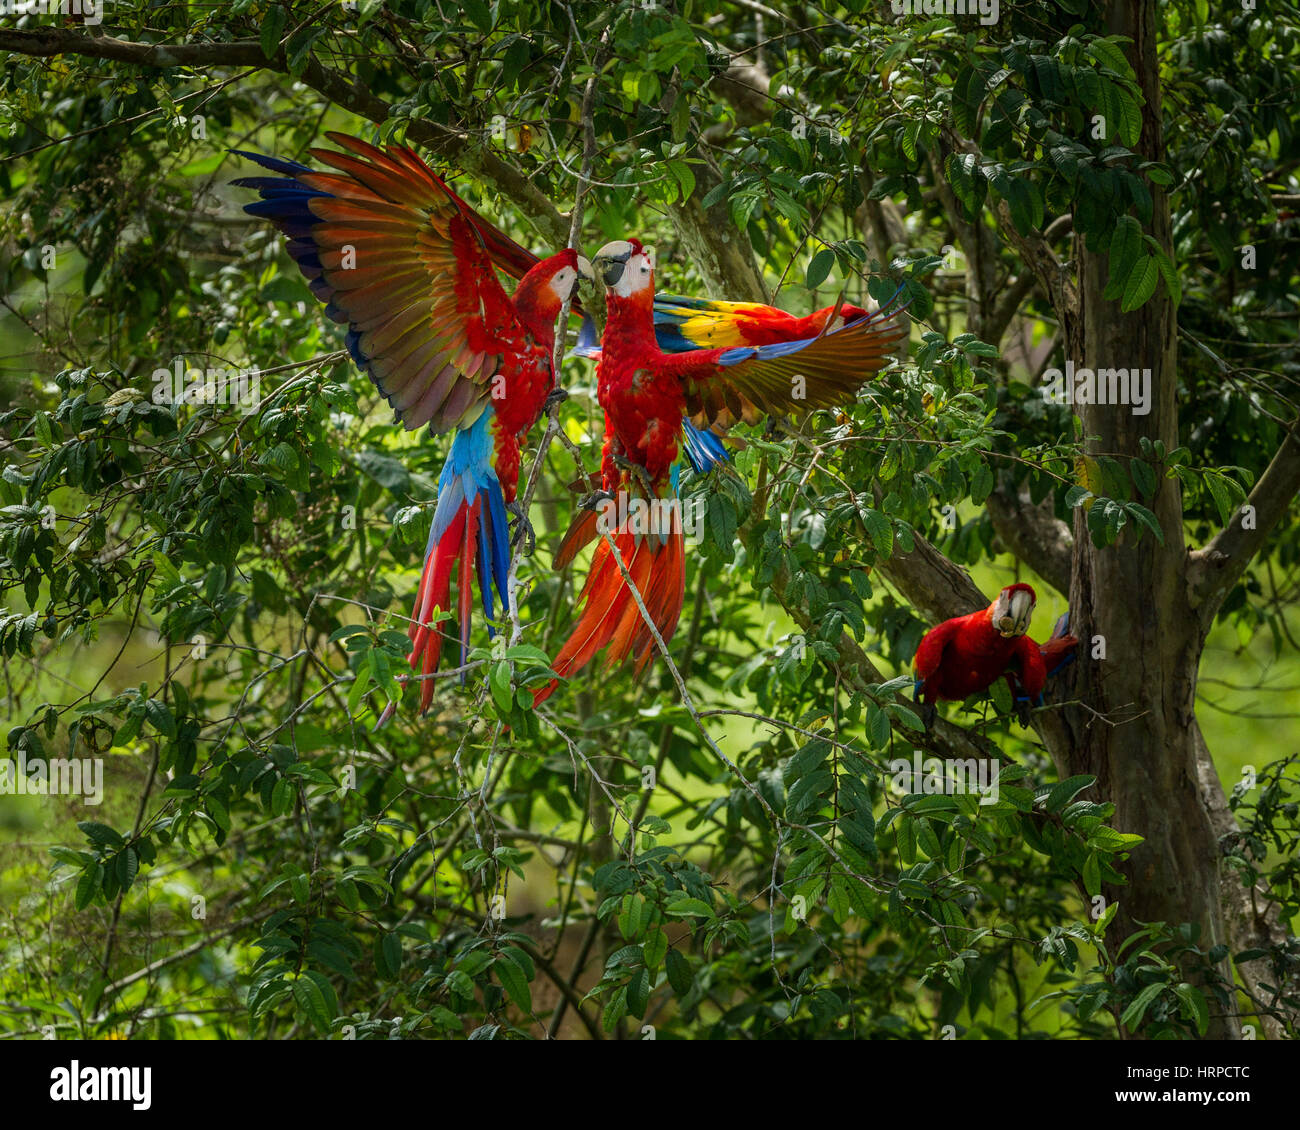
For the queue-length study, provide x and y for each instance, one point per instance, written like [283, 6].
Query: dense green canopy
[211, 598]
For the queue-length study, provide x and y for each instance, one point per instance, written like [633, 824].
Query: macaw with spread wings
[395, 254]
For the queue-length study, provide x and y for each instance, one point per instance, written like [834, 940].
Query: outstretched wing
[395, 254]
[742, 383]
[684, 323]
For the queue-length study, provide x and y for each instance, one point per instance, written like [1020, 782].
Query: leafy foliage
[228, 588]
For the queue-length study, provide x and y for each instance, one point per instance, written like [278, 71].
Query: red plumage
[1057, 650]
[966, 655]
[645, 393]
[409, 267]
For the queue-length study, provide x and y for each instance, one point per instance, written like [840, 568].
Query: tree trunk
[1139, 735]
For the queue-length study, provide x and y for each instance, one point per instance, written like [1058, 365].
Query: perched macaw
[966, 655]
[645, 393]
[401, 259]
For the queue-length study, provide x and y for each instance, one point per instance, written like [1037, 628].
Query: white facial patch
[562, 282]
[637, 276]
[1012, 613]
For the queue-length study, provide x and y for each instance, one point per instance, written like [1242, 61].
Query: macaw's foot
[554, 397]
[1023, 712]
[522, 531]
[636, 470]
[596, 499]
[928, 713]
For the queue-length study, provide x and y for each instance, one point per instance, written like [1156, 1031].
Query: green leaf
[100, 834]
[88, 885]
[654, 948]
[298, 47]
[1169, 273]
[514, 982]
[906, 832]
[310, 1000]
[1137, 1008]
[820, 267]
[881, 531]
[1141, 283]
[684, 176]
[1062, 793]
[1222, 498]
[282, 796]
[1125, 248]
[1147, 519]
[679, 972]
[272, 28]
[388, 955]
[217, 810]
[689, 908]
[967, 93]
[502, 692]
[1130, 119]
[1092, 874]
[615, 1010]
[1144, 477]
[1195, 1007]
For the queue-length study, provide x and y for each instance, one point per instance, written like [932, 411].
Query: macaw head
[542, 291]
[625, 267]
[1014, 608]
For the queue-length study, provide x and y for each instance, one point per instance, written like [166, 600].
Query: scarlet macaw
[400, 258]
[968, 654]
[683, 323]
[645, 392]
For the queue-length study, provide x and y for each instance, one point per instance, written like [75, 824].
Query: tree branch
[932, 584]
[1034, 250]
[452, 144]
[718, 248]
[1213, 571]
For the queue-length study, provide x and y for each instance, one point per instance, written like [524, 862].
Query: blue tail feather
[275, 164]
[500, 540]
[468, 473]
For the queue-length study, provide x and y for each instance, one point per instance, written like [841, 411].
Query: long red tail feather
[459, 545]
[610, 617]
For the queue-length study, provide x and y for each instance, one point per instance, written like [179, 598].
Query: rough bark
[1139, 736]
[1034, 534]
[722, 252]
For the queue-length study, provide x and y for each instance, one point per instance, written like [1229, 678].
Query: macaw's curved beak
[1014, 614]
[584, 270]
[611, 261]
[611, 270]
